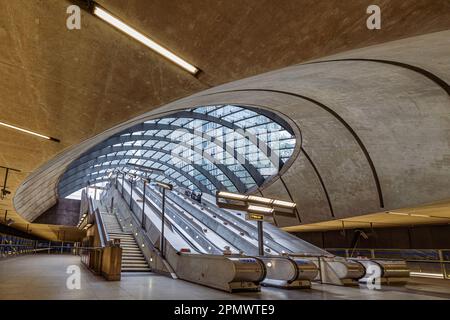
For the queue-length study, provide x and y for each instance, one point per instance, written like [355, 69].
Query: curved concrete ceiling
[74, 85]
[375, 134]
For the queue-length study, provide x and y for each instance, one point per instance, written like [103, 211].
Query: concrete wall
[14, 232]
[375, 131]
[64, 212]
[419, 237]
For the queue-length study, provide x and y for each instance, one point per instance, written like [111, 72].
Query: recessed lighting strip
[28, 132]
[115, 22]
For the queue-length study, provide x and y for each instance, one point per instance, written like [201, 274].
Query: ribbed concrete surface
[375, 136]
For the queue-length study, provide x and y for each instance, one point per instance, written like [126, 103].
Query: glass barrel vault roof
[204, 149]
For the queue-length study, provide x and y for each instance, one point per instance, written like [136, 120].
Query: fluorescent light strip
[410, 214]
[258, 209]
[260, 200]
[232, 196]
[398, 213]
[419, 215]
[28, 131]
[106, 16]
[284, 204]
[427, 275]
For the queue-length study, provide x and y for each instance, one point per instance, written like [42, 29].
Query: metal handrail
[373, 251]
[104, 237]
[438, 257]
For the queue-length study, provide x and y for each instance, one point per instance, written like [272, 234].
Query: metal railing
[433, 263]
[103, 234]
[14, 246]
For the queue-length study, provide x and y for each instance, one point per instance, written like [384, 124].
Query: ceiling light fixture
[398, 213]
[231, 196]
[284, 204]
[260, 200]
[419, 215]
[29, 132]
[115, 22]
[258, 209]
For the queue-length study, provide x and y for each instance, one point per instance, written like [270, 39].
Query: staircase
[133, 259]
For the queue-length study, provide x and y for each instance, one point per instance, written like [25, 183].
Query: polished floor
[45, 276]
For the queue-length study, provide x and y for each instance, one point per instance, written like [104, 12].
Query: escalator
[188, 253]
[202, 239]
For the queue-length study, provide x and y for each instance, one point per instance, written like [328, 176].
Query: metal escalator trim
[272, 243]
[180, 231]
[297, 271]
[263, 266]
[249, 244]
[189, 223]
[177, 228]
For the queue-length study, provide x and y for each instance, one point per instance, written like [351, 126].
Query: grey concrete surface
[400, 117]
[43, 277]
[64, 212]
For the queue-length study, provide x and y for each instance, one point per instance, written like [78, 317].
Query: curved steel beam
[241, 160]
[274, 117]
[254, 173]
[224, 123]
[81, 180]
[94, 171]
[261, 145]
[79, 183]
[223, 168]
[66, 180]
[338, 117]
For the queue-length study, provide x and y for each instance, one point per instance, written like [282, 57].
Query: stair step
[136, 259]
[137, 270]
[119, 236]
[135, 264]
[133, 258]
[126, 266]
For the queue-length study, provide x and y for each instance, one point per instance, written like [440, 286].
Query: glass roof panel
[228, 148]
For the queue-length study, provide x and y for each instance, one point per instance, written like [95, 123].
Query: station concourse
[233, 151]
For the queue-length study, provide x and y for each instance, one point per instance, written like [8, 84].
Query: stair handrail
[104, 236]
[145, 236]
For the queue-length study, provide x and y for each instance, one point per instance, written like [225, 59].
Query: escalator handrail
[104, 237]
[159, 214]
[185, 220]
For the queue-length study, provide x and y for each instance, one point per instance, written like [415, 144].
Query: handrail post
[161, 246]
[442, 263]
[131, 196]
[143, 205]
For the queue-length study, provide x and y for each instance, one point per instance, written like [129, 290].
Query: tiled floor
[44, 277]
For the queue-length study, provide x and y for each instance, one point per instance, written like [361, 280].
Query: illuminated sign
[254, 216]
